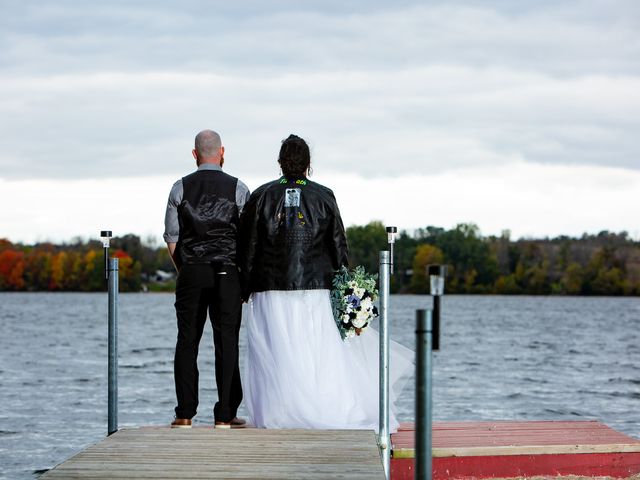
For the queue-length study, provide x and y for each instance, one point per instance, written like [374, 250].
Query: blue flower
[354, 301]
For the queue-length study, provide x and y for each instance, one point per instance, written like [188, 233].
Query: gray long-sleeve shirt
[171, 225]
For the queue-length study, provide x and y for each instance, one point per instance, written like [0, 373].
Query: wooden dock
[198, 453]
[460, 450]
[519, 449]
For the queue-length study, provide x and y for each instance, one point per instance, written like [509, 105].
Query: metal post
[384, 438]
[435, 323]
[113, 346]
[424, 413]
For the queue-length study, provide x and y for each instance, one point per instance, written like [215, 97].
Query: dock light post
[437, 274]
[111, 272]
[427, 340]
[386, 270]
[384, 438]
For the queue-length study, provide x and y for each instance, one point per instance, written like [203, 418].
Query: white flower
[345, 318]
[366, 304]
[352, 284]
[360, 321]
[359, 291]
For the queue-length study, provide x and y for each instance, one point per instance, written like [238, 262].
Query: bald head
[208, 147]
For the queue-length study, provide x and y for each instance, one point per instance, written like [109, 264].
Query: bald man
[201, 225]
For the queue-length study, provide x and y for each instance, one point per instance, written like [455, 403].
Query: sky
[510, 114]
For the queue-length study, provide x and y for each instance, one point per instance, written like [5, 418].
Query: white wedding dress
[301, 374]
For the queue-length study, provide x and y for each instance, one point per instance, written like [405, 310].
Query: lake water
[530, 358]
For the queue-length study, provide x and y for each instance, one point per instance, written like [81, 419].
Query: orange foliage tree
[11, 270]
[129, 271]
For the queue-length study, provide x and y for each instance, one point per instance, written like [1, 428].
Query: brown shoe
[225, 425]
[181, 423]
[238, 423]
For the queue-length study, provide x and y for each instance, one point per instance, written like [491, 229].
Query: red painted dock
[516, 449]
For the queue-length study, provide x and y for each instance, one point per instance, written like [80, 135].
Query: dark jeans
[217, 289]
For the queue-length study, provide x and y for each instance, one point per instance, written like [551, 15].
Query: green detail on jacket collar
[299, 181]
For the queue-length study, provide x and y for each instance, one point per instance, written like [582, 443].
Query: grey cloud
[428, 120]
[574, 38]
[119, 89]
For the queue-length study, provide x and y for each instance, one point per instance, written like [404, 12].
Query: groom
[201, 224]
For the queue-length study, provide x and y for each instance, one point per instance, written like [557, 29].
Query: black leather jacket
[291, 237]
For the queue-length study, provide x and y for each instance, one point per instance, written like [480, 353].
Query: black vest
[208, 218]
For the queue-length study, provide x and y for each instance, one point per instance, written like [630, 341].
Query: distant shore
[604, 264]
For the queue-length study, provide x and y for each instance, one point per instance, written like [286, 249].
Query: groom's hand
[174, 258]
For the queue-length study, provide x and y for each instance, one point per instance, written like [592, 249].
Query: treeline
[79, 265]
[603, 264]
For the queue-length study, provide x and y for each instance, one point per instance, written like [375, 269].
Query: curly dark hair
[294, 157]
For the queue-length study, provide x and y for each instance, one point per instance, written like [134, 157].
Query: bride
[299, 371]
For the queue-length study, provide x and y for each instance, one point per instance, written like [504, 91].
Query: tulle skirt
[301, 374]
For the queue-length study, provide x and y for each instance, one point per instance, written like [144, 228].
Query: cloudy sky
[510, 114]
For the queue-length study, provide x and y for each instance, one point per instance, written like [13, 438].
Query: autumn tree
[11, 270]
[57, 279]
[425, 255]
[129, 271]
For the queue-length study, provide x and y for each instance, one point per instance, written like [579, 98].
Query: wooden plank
[517, 449]
[160, 452]
[517, 438]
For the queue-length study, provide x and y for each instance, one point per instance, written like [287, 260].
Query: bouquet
[352, 300]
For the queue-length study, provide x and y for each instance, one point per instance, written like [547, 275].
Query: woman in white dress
[299, 372]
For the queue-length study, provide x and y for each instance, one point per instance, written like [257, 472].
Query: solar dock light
[437, 274]
[105, 235]
[391, 239]
[111, 272]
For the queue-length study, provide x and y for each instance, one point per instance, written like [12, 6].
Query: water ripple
[526, 358]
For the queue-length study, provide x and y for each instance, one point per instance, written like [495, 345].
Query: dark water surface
[530, 358]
